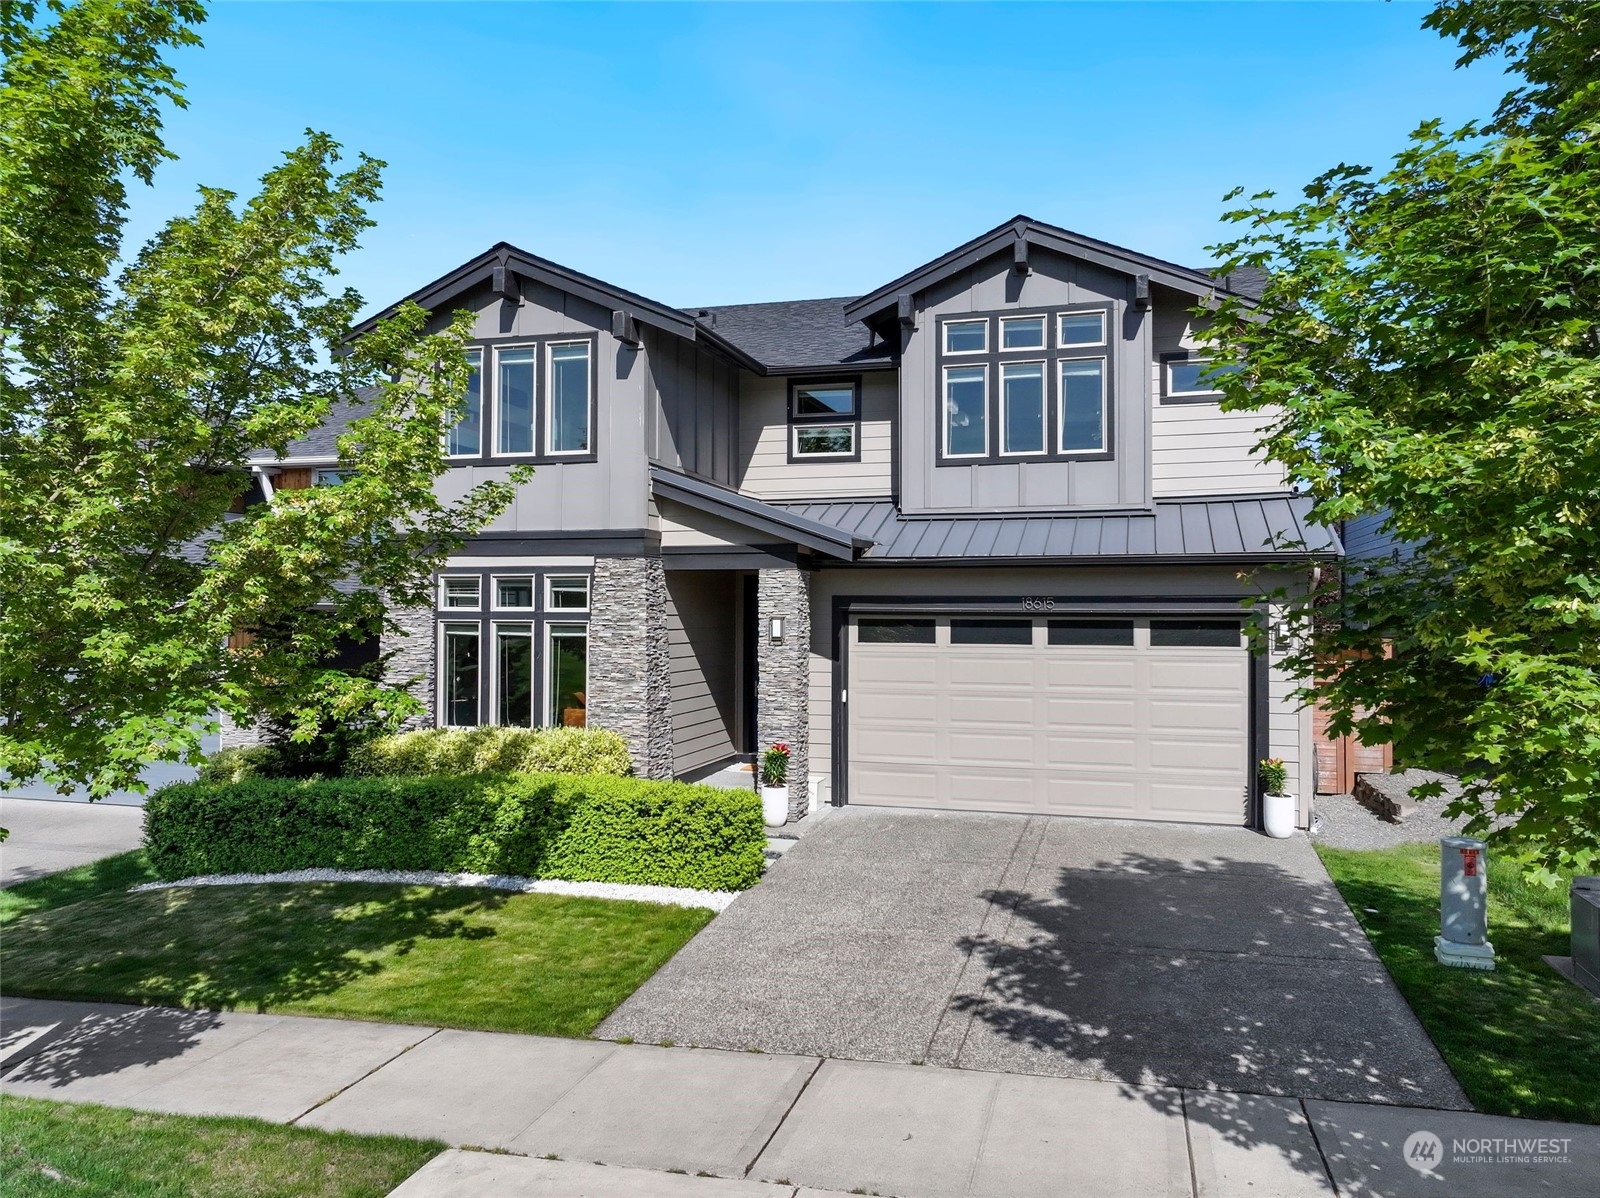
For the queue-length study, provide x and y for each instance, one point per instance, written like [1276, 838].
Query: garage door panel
[1112, 731]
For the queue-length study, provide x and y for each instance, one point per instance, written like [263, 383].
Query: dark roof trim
[491, 267]
[1025, 229]
[716, 341]
[755, 515]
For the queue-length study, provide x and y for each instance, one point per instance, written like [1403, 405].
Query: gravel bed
[671, 896]
[1346, 824]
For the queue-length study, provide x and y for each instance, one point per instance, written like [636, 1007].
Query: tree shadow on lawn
[234, 947]
[1228, 978]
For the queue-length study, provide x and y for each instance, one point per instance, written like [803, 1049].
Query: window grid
[531, 399]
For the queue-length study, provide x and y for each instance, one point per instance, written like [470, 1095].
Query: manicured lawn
[109, 875]
[468, 958]
[1522, 1040]
[55, 1148]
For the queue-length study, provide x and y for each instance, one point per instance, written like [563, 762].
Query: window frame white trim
[533, 407]
[1044, 334]
[472, 351]
[439, 699]
[549, 664]
[797, 455]
[1061, 405]
[494, 588]
[444, 592]
[1073, 347]
[944, 412]
[550, 347]
[1044, 411]
[549, 595]
[1167, 390]
[944, 337]
[494, 672]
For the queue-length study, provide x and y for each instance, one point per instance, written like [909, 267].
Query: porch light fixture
[775, 629]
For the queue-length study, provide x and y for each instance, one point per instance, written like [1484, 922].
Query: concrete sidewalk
[796, 1121]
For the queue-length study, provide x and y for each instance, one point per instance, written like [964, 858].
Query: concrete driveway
[1152, 954]
[48, 836]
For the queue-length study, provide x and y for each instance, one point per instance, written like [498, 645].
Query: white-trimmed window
[1186, 377]
[465, 439]
[513, 592]
[566, 675]
[512, 682]
[459, 675]
[514, 386]
[1023, 427]
[1081, 328]
[567, 593]
[1083, 405]
[966, 411]
[1021, 332]
[570, 385]
[461, 593]
[966, 336]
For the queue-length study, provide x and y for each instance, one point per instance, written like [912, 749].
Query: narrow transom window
[567, 594]
[513, 399]
[568, 417]
[894, 632]
[514, 593]
[1083, 405]
[966, 411]
[465, 438]
[991, 632]
[1022, 408]
[463, 592]
[1022, 332]
[1219, 634]
[1082, 328]
[966, 336]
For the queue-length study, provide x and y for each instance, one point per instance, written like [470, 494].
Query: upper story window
[1041, 389]
[329, 478]
[567, 593]
[537, 402]
[825, 419]
[1189, 378]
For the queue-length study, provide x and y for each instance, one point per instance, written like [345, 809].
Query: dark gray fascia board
[504, 255]
[1019, 228]
[753, 514]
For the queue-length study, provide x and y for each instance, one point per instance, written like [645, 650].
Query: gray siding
[609, 493]
[694, 409]
[766, 470]
[702, 638]
[1197, 448]
[993, 286]
[1366, 538]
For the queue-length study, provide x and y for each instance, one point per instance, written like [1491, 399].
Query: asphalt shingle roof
[797, 333]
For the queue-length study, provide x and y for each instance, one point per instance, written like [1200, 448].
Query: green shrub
[491, 750]
[236, 765]
[584, 828]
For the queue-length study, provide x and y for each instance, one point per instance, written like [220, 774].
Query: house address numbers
[1038, 603]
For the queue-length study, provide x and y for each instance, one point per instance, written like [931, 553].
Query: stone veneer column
[783, 682]
[412, 667]
[630, 670]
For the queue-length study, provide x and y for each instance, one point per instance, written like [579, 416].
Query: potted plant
[1279, 805]
[775, 786]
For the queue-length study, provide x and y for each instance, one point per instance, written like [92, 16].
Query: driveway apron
[1152, 954]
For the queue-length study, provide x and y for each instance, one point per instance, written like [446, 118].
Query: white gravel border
[670, 896]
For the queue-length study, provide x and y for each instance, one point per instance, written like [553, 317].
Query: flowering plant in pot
[1278, 804]
[775, 786]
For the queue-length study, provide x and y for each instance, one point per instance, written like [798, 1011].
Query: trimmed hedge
[584, 828]
[237, 764]
[493, 750]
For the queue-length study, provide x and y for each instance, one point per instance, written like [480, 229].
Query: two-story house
[976, 540]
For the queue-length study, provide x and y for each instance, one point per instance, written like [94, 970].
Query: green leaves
[131, 411]
[1429, 348]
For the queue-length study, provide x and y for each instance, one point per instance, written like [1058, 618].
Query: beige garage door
[1132, 718]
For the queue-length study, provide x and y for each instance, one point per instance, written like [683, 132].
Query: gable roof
[795, 335]
[1025, 230]
[507, 257]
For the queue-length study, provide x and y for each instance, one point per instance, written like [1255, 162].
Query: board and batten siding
[766, 471]
[694, 409]
[1197, 448]
[702, 639]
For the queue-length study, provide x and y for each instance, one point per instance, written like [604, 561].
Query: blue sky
[728, 153]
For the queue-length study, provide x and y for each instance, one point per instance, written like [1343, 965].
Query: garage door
[1131, 718]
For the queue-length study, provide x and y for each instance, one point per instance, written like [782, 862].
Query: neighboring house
[976, 540]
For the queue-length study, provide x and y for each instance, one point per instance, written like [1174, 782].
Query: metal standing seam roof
[1254, 527]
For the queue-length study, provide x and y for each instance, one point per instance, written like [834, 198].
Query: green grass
[1522, 1040]
[54, 1148]
[539, 963]
[109, 875]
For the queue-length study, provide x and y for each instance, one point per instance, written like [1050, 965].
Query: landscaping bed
[1521, 1040]
[53, 1148]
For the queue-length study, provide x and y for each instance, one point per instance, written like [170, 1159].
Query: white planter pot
[775, 805]
[1279, 812]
